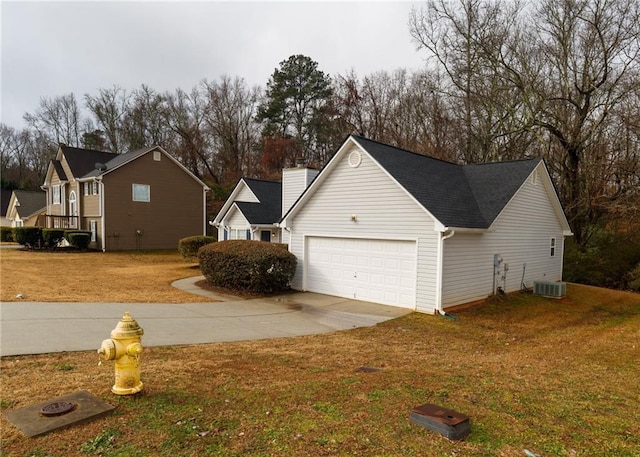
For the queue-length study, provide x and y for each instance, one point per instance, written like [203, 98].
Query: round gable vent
[355, 159]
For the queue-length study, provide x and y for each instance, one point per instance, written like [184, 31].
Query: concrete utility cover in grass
[32, 422]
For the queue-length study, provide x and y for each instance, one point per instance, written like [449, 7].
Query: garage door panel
[381, 271]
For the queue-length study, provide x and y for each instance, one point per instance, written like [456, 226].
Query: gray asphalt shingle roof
[269, 210]
[469, 196]
[116, 160]
[83, 161]
[57, 165]
[30, 201]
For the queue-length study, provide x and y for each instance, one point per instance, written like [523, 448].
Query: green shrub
[252, 266]
[6, 234]
[188, 247]
[79, 239]
[52, 237]
[607, 261]
[27, 236]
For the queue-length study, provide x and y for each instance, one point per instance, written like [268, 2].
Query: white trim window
[55, 198]
[93, 227]
[239, 234]
[85, 188]
[94, 188]
[552, 247]
[141, 192]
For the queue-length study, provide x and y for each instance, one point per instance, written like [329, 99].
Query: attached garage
[386, 225]
[381, 271]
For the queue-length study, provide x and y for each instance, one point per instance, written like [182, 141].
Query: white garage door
[380, 271]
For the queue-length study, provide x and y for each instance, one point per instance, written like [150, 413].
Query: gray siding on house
[383, 211]
[521, 234]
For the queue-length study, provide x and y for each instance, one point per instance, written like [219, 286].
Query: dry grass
[121, 277]
[560, 378]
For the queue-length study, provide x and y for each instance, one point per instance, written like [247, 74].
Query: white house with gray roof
[254, 207]
[386, 225]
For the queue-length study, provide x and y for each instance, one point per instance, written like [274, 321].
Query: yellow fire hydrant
[124, 347]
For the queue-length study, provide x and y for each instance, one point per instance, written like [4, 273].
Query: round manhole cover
[58, 408]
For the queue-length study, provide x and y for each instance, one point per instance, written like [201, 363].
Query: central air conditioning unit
[550, 289]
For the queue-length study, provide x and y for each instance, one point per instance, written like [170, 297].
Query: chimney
[294, 183]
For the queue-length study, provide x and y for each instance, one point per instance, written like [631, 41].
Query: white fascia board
[231, 201]
[47, 177]
[322, 175]
[555, 200]
[146, 151]
[317, 182]
[174, 160]
[437, 222]
[233, 208]
[551, 192]
[466, 230]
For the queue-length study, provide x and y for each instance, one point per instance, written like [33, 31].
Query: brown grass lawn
[559, 378]
[121, 277]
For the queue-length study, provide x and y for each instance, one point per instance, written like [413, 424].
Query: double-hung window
[56, 195]
[552, 247]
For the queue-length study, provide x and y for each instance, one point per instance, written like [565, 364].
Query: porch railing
[63, 222]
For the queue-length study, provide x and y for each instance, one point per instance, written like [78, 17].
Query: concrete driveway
[36, 328]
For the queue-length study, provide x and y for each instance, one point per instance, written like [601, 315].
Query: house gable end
[240, 191]
[495, 184]
[362, 199]
[539, 176]
[350, 145]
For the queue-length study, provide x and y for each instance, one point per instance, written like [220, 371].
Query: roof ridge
[537, 158]
[405, 150]
[64, 146]
[261, 180]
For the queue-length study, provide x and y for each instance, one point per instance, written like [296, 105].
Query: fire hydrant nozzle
[124, 347]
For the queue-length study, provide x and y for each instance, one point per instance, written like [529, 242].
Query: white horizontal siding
[294, 182]
[382, 211]
[245, 195]
[235, 219]
[520, 235]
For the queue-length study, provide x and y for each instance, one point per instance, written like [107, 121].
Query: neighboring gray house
[390, 226]
[254, 207]
[26, 207]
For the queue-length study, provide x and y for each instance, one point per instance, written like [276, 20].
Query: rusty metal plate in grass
[32, 422]
[58, 408]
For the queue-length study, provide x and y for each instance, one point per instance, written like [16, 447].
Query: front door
[265, 235]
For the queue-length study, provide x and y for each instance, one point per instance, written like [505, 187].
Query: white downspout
[443, 236]
[102, 218]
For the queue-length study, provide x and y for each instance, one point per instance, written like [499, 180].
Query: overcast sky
[54, 48]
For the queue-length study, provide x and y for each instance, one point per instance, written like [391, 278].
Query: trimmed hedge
[27, 236]
[78, 238]
[252, 266]
[6, 234]
[52, 237]
[188, 247]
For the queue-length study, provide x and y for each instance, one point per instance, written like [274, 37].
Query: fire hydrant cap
[127, 328]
